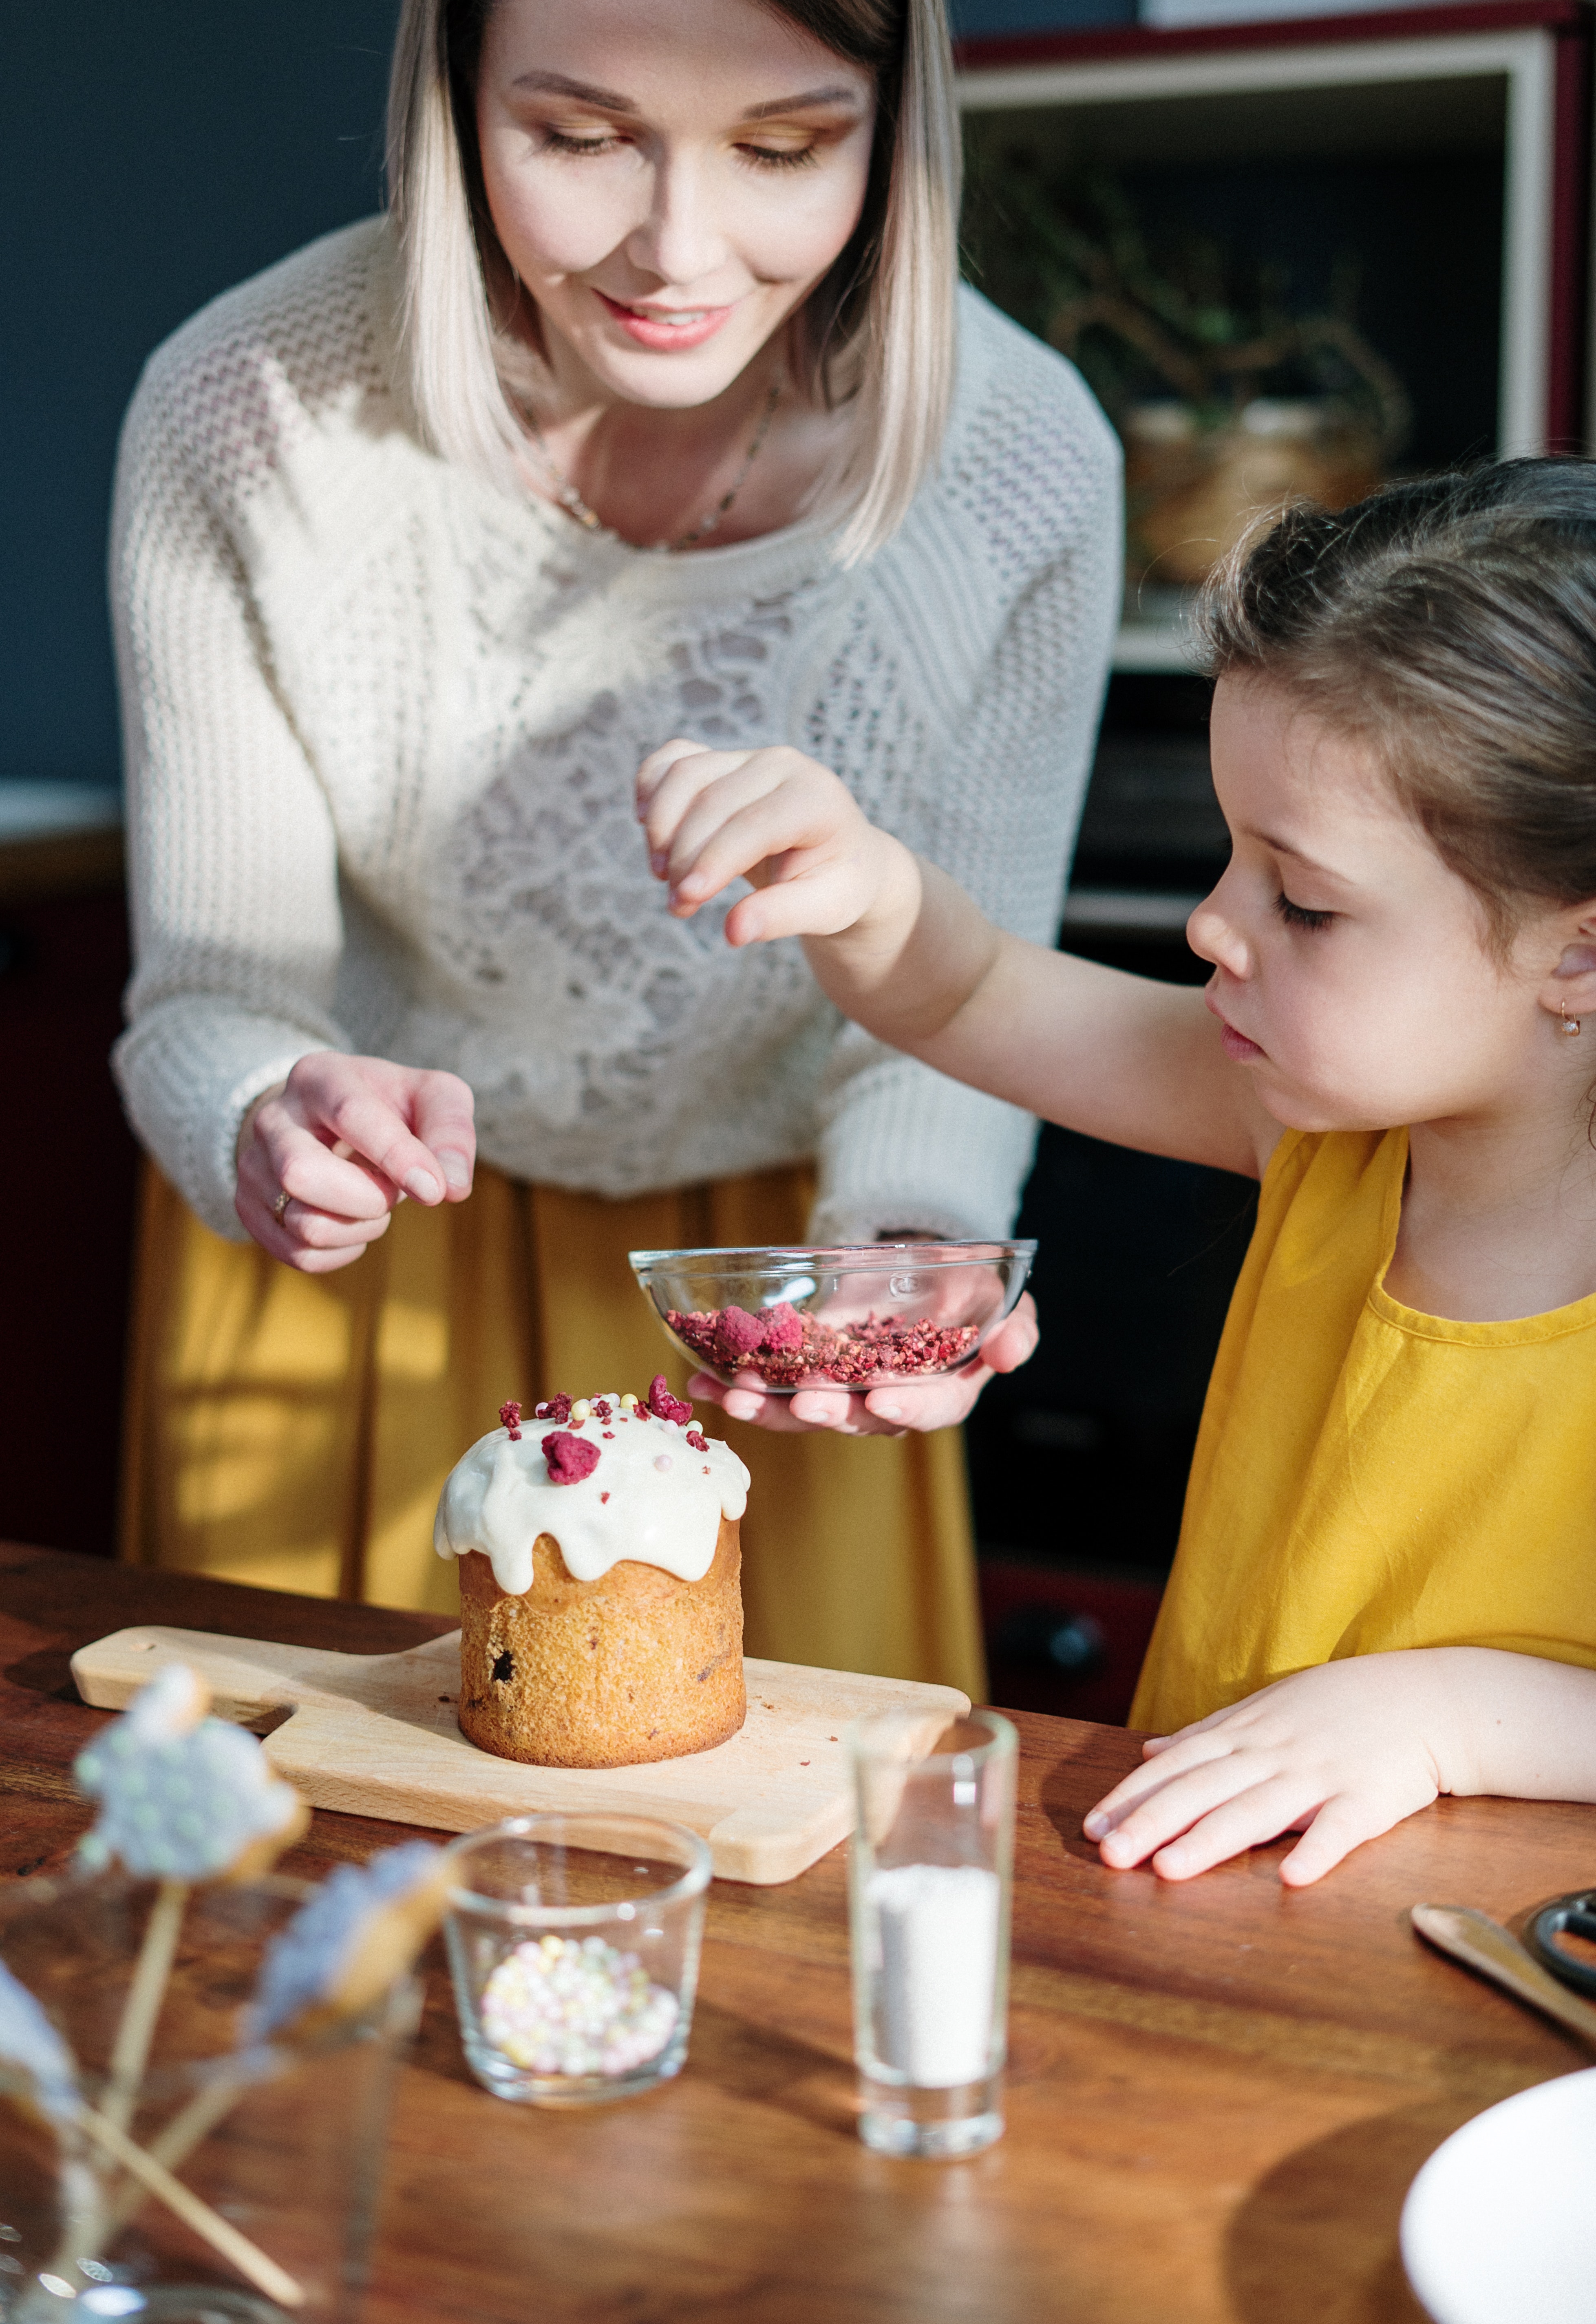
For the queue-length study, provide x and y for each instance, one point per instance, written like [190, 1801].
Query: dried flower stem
[251, 2262]
[136, 2029]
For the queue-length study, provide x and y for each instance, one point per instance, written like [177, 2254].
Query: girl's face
[1352, 968]
[670, 180]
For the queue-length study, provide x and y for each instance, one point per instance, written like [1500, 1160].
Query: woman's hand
[346, 1139]
[886, 1411]
[771, 817]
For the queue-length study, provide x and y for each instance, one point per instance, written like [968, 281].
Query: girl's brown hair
[878, 331]
[1451, 623]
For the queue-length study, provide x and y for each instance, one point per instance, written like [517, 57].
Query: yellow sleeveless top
[1366, 1476]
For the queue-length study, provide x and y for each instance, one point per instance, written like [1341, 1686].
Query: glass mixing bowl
[854, 1316]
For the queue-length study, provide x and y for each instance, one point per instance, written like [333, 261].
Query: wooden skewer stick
[236, 2248]
[1481, 1944]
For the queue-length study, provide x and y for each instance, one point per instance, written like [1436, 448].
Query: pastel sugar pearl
[576, 2006]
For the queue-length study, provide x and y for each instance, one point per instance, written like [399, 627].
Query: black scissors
[1576, 1913]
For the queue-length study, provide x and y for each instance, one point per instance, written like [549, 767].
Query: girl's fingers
[658, 764]
[1171, 1804]
[1340, 1825]
[1255, 1816]
[742, 823]
[715, 791]
[677, 787]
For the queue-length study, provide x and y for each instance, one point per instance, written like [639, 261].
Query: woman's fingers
[445, 1124]
[283, 1156]
[322, 1161]
[356, 1110]
[1016, 1339]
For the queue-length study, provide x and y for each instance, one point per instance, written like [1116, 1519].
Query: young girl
[1386, 1583]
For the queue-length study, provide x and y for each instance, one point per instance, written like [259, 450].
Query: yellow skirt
[294, 1431]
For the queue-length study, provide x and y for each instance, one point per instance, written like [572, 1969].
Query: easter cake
[601, 1603]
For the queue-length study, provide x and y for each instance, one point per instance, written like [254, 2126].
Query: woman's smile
[664, 329]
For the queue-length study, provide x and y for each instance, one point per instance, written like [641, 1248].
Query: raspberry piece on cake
[666, 1407]
[569, 1458]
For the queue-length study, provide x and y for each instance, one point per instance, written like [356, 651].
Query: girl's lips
[1236, 1045]
[649, 328]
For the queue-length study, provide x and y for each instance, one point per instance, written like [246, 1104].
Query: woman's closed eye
[561, 141]
[759, 157]
[780, 157]
[1298, 916]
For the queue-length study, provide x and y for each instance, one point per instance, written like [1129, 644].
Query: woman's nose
[678, 241]
[1213, 936]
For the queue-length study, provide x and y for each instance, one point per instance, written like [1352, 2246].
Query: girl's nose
[1213, 936]
[678, 241]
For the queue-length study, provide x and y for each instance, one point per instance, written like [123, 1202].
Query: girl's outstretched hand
[770, 816]
[345, 1140]
[1339, 1753]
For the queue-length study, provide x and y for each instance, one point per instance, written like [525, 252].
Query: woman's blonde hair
[878, 332]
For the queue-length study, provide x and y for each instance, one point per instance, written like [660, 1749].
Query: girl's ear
[1570, 992]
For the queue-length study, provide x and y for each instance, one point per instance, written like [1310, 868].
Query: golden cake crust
[635, 1666]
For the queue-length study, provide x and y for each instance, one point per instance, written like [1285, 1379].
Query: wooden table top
[1217, 2094]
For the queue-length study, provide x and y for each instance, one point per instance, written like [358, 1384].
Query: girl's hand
[1339, 1753]
[346, 1139]
[941, 1403]
[771, 817]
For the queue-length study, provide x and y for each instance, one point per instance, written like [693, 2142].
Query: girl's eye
[1298, 916]
[780, 157]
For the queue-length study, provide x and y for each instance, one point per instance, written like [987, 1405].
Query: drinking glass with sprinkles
[573, 1943]
[781, 1319]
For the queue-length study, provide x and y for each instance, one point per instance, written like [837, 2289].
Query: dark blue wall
[150, 155]
[973, 18]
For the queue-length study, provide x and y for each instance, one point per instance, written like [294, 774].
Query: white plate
[1499, 2227]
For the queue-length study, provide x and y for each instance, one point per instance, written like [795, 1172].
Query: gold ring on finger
[281, 1205]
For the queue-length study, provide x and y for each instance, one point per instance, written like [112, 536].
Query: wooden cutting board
[376, 1735]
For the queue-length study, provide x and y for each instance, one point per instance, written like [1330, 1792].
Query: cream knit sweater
[382, 722]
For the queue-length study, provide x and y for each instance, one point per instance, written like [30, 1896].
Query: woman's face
[670, 179]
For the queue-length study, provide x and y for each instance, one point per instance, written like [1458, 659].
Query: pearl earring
[1570, 1025]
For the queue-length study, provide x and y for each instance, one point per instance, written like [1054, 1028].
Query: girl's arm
[904, 951]
[1344, 1751]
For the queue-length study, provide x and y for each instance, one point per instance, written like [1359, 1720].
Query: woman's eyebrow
[561, 85]
[840, 95]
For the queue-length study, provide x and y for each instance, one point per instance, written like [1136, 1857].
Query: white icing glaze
[652, 1498]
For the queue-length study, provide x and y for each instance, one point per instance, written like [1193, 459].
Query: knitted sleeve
[233, 860]
[997, 806]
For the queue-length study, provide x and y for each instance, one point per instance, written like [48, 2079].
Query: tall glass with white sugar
[929, 1880]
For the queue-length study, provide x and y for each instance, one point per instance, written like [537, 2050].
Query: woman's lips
[665, 330]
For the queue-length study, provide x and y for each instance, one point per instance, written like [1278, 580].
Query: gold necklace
[572, 502]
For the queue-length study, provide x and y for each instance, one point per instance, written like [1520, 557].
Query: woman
[643, 413]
